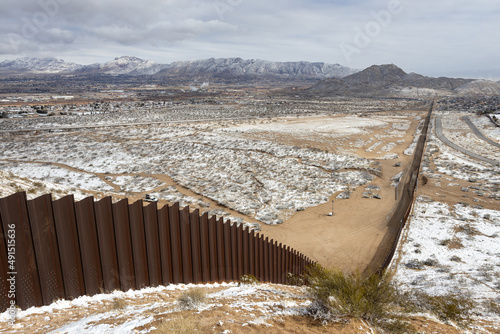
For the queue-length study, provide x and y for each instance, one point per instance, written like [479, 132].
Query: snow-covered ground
[260, 178]
[452, 249]
[451, 244]
[139, 311]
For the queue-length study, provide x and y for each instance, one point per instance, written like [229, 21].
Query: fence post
[221, 261]
[266, 260]
[107, 243]
[205, 248]
[4, 269]
[246, 251]
[165, 245]
[187, 260]
[234, 252]
[14, 212]
[124, 245]
[46, 248]
[138, 245]
[69, 246]
[252, 254]
[152, 244]
[280, 263]
[214, 250]
[196, 246]
[239, 242]
[227, 251]
[262, 270]
[89, 246]
[175, 234]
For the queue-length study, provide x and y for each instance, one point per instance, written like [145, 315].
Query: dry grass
[177, 326]
[118, 304]
[192, 298]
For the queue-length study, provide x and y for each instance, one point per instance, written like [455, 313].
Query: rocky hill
[390, 81]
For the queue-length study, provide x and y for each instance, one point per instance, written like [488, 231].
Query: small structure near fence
[64, 249]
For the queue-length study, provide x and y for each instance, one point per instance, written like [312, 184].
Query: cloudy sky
[446, 37]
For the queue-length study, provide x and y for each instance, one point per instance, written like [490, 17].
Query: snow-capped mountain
[124, 65]
[237, 67]
[227, 68]
[38, 65]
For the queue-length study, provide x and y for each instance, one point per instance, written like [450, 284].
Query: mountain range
[321, 78]
[225, 68]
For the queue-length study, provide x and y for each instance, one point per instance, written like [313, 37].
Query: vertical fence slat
[46, 248]
[271, 261]
[187, 257]
[244, 250]
[13, 210]
[152, 244]
[280, 264]
[107, 244]
[234, 252]
[89, 246]
[69, 246]
[139, 251]
[165, 245]
[227, 252]
[4, 269]
[221, 265]
[252, 253]
[240, 262]
[204, 248]
[175, 235]
[195, 246]
[124, 245]
[213, 253]
[262, 273]
[288, 264]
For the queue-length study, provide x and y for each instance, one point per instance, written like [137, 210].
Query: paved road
[478, 133]
[440, 135]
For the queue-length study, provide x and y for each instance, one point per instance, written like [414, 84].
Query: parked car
[149, 198]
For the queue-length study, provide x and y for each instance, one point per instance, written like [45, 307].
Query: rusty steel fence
[63, 249]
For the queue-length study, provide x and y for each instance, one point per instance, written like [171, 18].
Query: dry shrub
[338, 297]
[192, 299]
[177, 326]
[118, 304]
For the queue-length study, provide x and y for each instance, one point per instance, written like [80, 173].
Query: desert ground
[280, 175]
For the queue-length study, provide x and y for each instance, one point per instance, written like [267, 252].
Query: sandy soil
[349, 239]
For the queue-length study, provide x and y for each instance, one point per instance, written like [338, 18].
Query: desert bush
[338, 297]
[249, 279]
[449, 307]
[118, 304]
[177, 326]
[192, 299]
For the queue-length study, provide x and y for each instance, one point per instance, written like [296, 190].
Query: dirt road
[353, 238]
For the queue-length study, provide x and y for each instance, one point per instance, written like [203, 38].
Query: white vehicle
[149, 198]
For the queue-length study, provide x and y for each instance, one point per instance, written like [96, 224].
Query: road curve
[478, 133]
[440, 135]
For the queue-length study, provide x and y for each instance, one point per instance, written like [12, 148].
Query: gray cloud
[434, 38]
